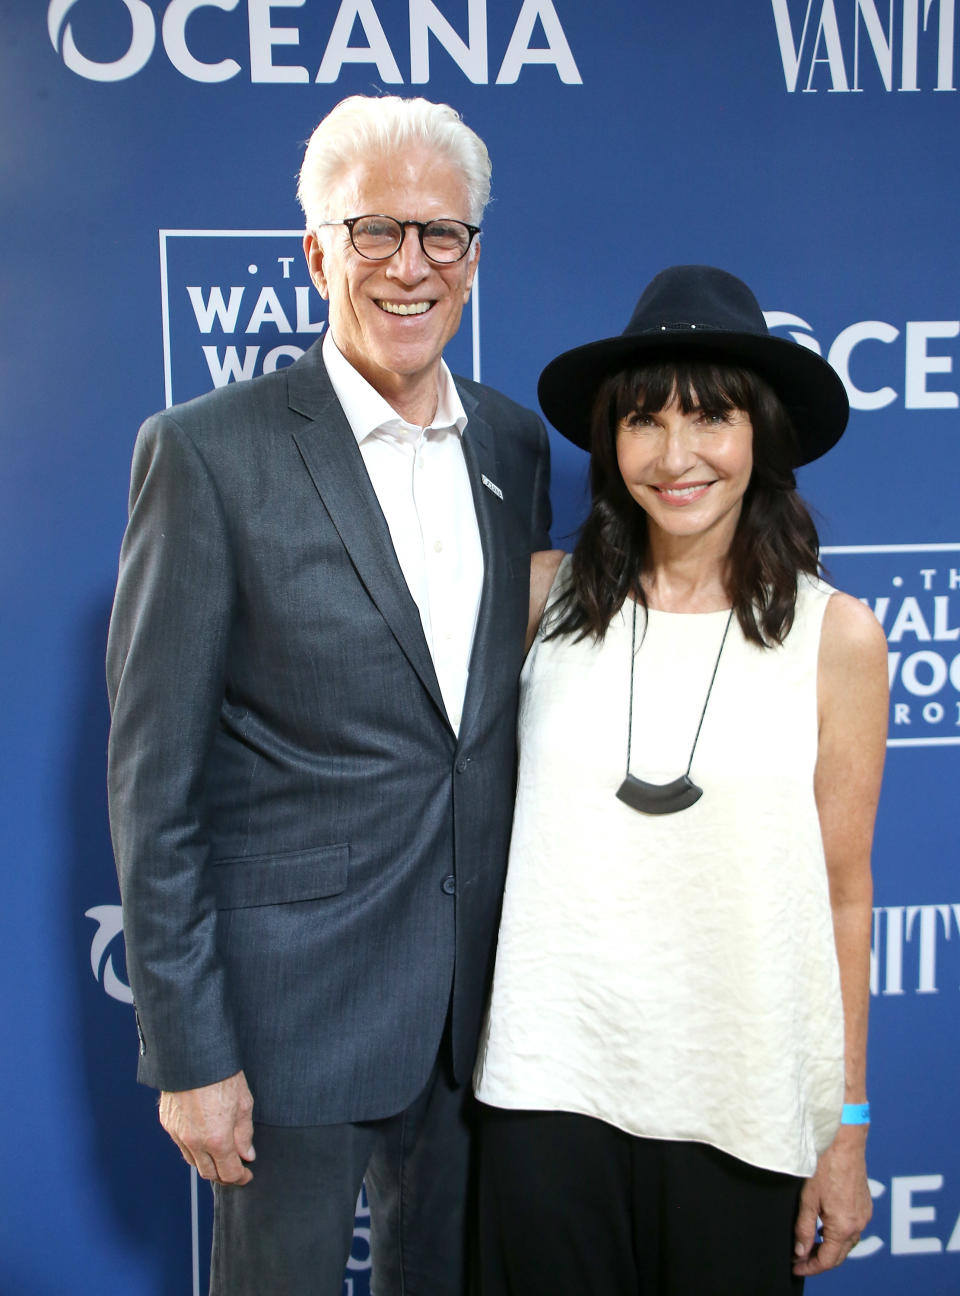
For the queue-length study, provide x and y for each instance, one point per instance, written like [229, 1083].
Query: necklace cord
[633, 658]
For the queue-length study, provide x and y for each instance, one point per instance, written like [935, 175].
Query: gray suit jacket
[311, 861]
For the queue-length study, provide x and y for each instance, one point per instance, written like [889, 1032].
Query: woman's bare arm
[543, 568]
[853, 700]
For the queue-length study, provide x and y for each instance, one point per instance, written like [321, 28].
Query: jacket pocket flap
[282, 879]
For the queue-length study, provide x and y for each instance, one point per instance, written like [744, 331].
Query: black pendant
[659, 798]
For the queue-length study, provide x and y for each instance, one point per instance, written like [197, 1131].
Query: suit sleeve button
[449, 885]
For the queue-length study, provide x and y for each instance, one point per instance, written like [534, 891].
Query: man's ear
[474, 255]
[313, 251]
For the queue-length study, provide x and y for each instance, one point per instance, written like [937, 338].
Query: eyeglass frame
[419, 226]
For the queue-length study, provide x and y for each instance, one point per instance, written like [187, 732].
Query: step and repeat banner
[151, 251]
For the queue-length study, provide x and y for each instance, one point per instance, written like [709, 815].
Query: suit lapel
[332, 457]
[480, 454]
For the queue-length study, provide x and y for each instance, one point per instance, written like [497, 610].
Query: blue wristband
[855, 1114]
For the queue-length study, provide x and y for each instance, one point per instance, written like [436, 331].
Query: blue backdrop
[150, 251]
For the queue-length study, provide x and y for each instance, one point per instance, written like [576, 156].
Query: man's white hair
[363, 126]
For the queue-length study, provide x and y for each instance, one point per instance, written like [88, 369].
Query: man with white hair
[313, 666]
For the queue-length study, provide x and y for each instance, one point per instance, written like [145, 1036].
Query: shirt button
[449, 885]
[437, 546]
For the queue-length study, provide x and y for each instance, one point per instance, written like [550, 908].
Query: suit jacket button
[449, 885]
[462, 764]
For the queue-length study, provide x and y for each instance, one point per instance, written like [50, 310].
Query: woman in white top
[673, 1064]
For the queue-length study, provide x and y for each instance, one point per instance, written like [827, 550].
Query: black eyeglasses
[378, 237]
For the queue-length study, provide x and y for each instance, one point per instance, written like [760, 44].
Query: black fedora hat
[698, 312]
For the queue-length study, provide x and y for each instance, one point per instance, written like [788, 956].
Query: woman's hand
[838, 1193]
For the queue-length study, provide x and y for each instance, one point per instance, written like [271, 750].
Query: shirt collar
[367, 411]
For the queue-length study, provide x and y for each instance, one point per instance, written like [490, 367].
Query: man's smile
[405, 308]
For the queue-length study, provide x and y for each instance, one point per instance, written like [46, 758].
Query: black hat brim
[808, 387]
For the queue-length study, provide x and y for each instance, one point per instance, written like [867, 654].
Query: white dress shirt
[421, 481]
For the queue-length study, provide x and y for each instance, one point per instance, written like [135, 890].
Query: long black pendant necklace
[682, 792]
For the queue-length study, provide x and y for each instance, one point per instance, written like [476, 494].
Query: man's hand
[213, 1128]
[839, 1194]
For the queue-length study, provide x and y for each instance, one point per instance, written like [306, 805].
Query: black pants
[571, 1206]
[288, 1232]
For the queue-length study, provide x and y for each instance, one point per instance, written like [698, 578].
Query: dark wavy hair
[775, 538]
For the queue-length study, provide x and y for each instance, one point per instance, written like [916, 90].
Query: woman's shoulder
[852, 681]
[850, 628]
[848, 625]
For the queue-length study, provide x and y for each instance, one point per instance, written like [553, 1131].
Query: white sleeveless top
[673, 975]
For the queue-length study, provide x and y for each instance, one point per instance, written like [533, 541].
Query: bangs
[697, 385]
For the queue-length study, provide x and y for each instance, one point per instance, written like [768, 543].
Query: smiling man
[313, 666]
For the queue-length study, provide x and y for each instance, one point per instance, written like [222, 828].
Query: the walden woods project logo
[235, 304]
